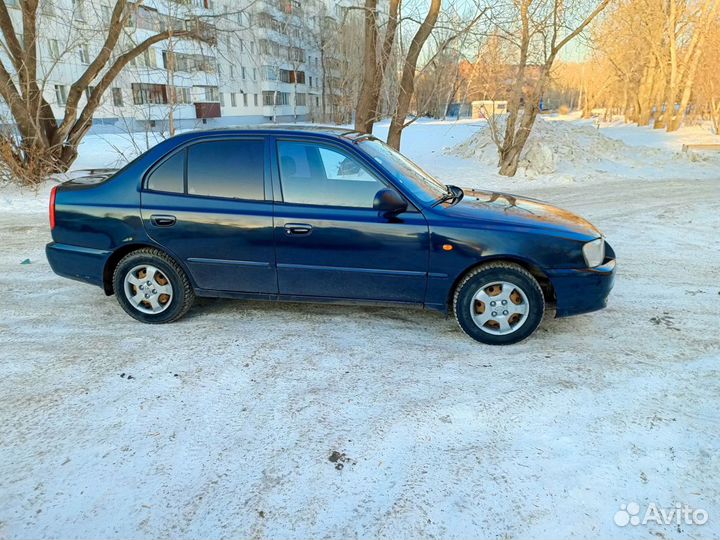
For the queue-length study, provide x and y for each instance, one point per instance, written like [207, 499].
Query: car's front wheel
[498, 303]
[151, 287]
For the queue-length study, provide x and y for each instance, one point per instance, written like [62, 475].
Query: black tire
[483, 278]
[182, 296]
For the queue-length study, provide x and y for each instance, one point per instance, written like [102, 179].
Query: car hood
[521, 211]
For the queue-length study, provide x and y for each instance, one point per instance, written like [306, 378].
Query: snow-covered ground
[251, 419]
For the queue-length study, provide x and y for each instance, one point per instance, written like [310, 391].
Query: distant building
[266, 64]
[488, 108]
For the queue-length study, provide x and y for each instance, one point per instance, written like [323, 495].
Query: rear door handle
[162, 220]
[297, 228]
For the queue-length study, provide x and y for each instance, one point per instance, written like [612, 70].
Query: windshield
[410, 176]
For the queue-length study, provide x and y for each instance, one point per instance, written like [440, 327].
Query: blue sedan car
[321, 215]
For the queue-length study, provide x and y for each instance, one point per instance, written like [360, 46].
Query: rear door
[329, 240]
[210, 205]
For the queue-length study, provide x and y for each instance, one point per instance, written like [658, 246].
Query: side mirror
[389, 202]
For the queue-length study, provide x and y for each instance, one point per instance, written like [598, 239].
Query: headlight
[594, 252]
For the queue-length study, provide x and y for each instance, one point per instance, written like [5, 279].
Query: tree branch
[602, 5]
[84, 121]
[117, 23]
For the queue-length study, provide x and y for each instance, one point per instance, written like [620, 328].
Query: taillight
[53, 194]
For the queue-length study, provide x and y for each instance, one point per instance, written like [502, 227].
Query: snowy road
[222, 425]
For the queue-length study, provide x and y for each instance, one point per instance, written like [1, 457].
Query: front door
[329, 240]
[206, 204]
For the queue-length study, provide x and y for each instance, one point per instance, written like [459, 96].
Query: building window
[106, 14]
[222, 99]
[317, 101]
[233, 99]
[189, 62]
[78, 8]
[255, 99]
[301, 100]
[207, 94]
[245, 101]
[297, 54]
[254, 74]
[294, 77]
[117, 97]
[232, 71]
[276, 98]
[61, 94]
[54, 47]
[88, 92]
[180, 94]
[242, 72]
[84, 54]
[149, 94]
[149, 58]
[311, 82]
[268, 73]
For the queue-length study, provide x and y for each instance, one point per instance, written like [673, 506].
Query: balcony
[207, 110]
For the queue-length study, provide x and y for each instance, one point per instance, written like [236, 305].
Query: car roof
[278, 129]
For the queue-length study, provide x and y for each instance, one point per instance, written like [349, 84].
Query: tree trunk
[366, 108]
[407, 81]
[671, 87]
[510, 159]
[691, 64]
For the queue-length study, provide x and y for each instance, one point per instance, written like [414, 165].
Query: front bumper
[79, 263]
[583, 290]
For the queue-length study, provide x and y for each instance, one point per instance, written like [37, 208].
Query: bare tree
[43, 145]
[542, 24]
[653, 61]
[407, 81]
[685, 79]
[374, 64]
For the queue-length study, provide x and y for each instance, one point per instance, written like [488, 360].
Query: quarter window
[320, 175]
[169, 175]
[232, 169]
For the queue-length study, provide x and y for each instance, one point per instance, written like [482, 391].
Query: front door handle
[162, 220]
[297, 228]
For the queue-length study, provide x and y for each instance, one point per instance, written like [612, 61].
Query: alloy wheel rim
[499, 308]
[148, 289]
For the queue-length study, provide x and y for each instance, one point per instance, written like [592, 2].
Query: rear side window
[232, 169]
[169, 176]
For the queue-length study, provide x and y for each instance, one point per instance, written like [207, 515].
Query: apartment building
[263, 61]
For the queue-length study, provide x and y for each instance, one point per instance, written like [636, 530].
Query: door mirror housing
[389, 202]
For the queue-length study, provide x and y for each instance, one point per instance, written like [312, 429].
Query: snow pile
[570, 147]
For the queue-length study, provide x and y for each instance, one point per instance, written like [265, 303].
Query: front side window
[231, 169]
[321, 175]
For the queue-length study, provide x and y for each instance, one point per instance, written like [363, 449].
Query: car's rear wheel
[151, 287]
[499, 303]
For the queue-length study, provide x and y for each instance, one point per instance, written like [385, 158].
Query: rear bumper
[79, 263]
[582, 290]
